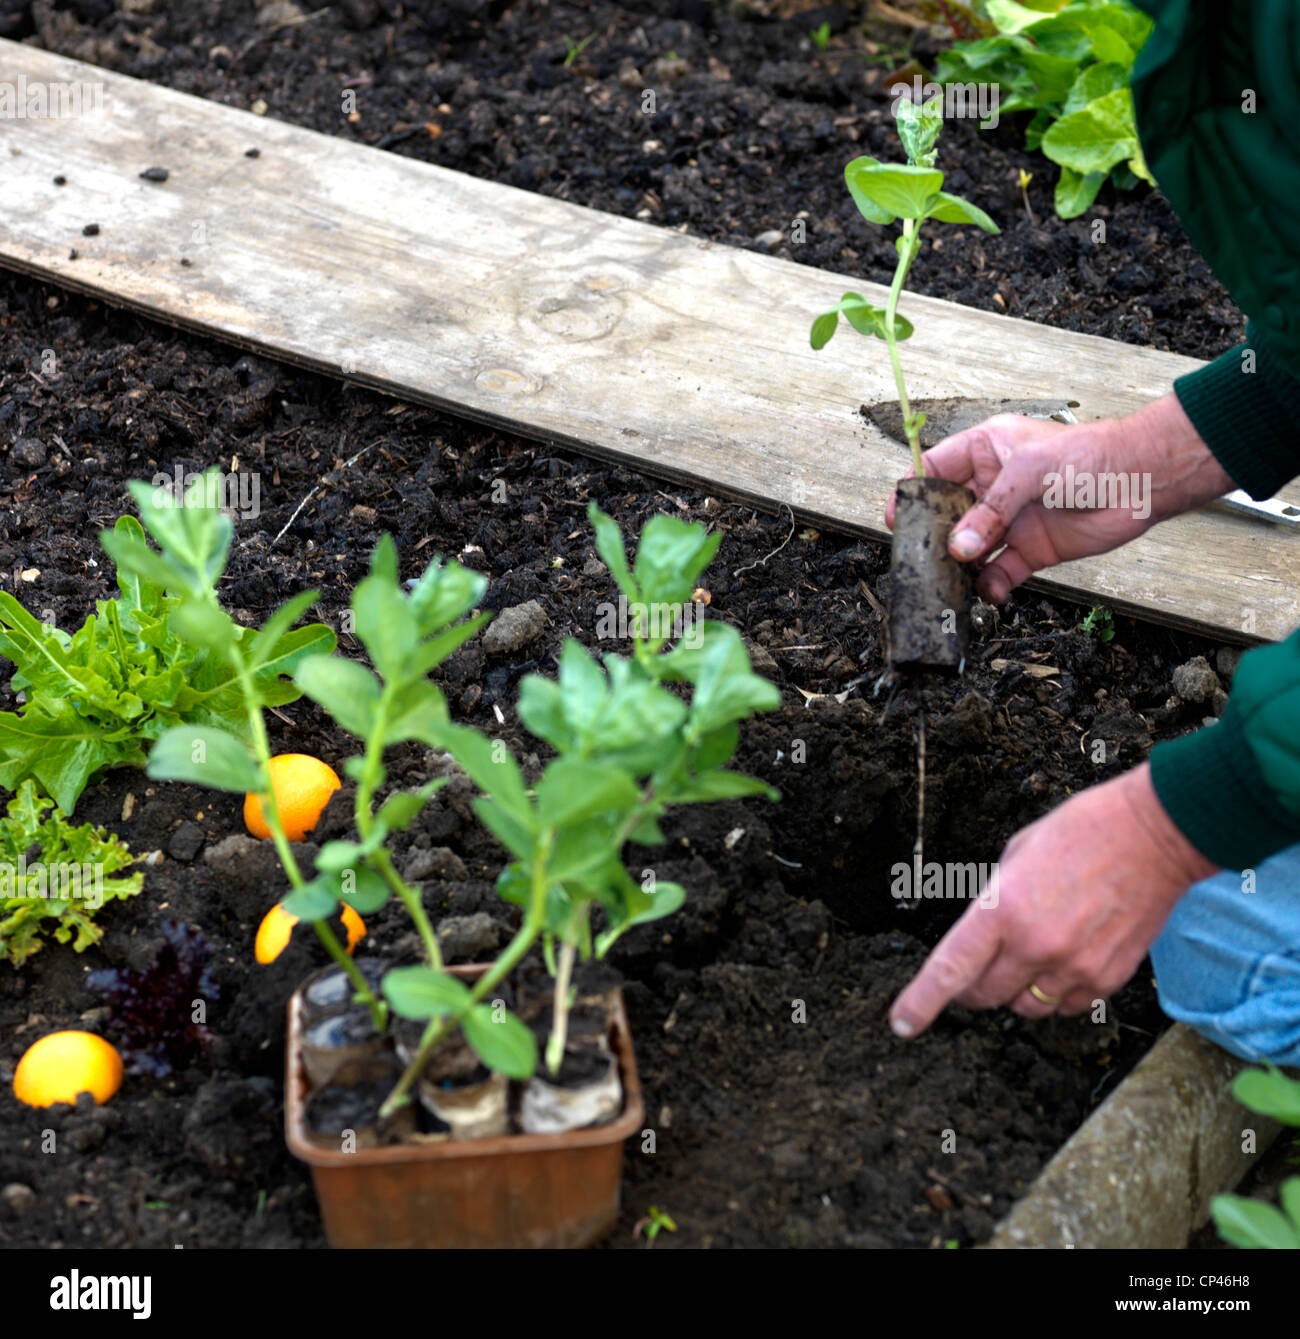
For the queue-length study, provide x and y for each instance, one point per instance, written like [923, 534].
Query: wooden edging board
[682, 358]
[1141, 1171]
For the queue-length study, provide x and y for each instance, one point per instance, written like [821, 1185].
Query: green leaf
[823, 328]
[571, 790]
[1096, 137]
[1246, 1222]
[1075, 193]
[541, 708]
[386, 624]
[918, 128]
[204, 624]
[949, 209]
[636, 906]
[417, 711]
[436, 649]
[862, 316]
[314, 901]
[1289, 1195]
[502, 1042]
[491, 766]
[363, 889]
[401, 808]
[205, 757]
[720, 786]
[1270, 1092]
[609, 544]
[727, 689]
[444, 593]
[867, 207]
[1093, 82]
[275, 627]
[515, 836]
[422, 992]
[336, 856]
[903, 190]
[347, 690]
[670, 558]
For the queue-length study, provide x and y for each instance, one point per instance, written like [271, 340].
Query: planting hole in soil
[568, 924]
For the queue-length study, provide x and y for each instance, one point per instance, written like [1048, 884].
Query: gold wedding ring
[1041, 997]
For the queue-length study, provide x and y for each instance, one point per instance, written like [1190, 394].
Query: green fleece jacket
[1217, 94]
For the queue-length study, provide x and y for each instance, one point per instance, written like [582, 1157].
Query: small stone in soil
[1195, 681]
[185, 842]
[439, 862]
[18, 1198]
[29, 452]
[514, 627]
[468, 937]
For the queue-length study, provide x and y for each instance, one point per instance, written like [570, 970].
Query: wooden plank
[679, 357]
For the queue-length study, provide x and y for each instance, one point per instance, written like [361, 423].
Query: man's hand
[1082, 894]
[1008, 460]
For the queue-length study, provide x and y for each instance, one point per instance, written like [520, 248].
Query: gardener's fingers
[959, 960]
[1018, 483]
[1000, 577]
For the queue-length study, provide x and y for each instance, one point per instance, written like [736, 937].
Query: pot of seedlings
[391, 1170]
[930, 592]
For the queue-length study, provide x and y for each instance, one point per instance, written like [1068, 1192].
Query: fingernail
[901, 1027]
[966, 543]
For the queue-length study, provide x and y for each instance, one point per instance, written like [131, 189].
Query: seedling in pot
[929, 621]
[627, 748]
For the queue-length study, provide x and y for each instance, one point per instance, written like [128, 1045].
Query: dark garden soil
[768, 1131]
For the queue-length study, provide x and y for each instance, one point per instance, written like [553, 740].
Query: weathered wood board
[682, 358]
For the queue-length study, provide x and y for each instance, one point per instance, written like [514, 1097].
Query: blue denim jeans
[1228, 961]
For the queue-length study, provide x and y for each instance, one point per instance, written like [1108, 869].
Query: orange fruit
[302, 786]
[63, 1064]
[276, 929]
[273, 934]
[354, 925]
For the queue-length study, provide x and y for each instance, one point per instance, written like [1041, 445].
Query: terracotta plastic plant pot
[512, 1191]
[930, 591]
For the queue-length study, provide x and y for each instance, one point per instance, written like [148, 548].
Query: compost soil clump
[784, 1111]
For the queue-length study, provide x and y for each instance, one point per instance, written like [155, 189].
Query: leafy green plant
[911, 192]
[1099, 622]
[97, 698]
[1249, 1222]
[1070, 64]
[821, 36]
[627, 748]
[41, 855]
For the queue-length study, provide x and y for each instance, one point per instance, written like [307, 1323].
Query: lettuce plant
[42, 858]
[99, 697]
[911, 192]
[1070, 64]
